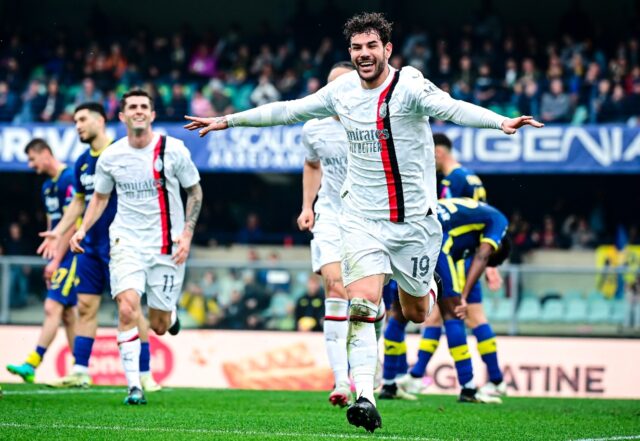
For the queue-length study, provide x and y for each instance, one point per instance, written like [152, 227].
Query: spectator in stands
[526, 98]
[613, 109]
[203, 63]
[309, 312]
[555, 106]
[200, 105]
[251, 233]
[8, 103]
[178, 105]
[578, 233]
[484, 90]
[548, 237]
[219, 100]
[265, 92]
[633, 102]
[53, 103]
[88, 93]
[32, 103]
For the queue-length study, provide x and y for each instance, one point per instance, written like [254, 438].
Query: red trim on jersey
[163, 195]
[381, 317]
[388, 154]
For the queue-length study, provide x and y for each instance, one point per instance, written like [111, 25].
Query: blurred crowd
[582, 76]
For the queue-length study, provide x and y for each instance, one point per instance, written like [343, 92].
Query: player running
[324, 172]
[60, 272]
[93, 264]
[388, 225]
[150, 239]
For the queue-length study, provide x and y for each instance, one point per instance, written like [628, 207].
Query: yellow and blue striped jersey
[57, 193]
[462, 183]
[466, 223]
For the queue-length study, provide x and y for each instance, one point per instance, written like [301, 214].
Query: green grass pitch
[29, 412]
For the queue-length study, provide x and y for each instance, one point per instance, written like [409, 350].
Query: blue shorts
[93, 273]
[453, 274]
[390, 294]
[65, 281]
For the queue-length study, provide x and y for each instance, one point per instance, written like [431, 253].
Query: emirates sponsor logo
[105, 366]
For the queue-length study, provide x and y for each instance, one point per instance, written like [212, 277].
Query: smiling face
[370, 57]
[137, 114]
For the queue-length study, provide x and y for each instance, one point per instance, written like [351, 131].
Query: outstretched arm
[273, 114]
[194, 205]
[51, 243]
[311, 178]
[96, 207]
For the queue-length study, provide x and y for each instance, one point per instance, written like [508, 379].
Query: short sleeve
[68, 190]
[103, 179]
[495, 230]
[185, 169]
[77, 172]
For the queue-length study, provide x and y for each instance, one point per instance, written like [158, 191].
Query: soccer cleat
[393, 392]
[175, 328]
[475, 396]
[410, 384]
[24, 370]
[364, 414]
[341, 395]
[135, 397]
[149, 384]
[75, 379]
[494, 390]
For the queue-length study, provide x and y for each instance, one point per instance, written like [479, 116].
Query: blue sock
[145, 356]
[488, 351]
[428, 345]
[457, 338]
[40, 351]
[395, 350]
[82, 350]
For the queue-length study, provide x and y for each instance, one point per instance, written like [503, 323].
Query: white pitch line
[249, 433]
[611, 438]
[122, 390]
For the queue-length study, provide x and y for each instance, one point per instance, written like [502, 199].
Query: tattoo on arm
[194, 205]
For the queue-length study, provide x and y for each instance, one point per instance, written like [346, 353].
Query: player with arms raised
[150, 239]
[388, 226]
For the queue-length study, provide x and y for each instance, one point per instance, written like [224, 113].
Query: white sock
[336, 327]
[379, 323]
[363, 346]
[174, 316]
[129, 345]
[79, 369]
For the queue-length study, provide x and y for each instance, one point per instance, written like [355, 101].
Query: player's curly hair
[368, 22]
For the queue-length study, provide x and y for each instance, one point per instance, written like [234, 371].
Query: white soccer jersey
[326, 141]
[147, 180]
[391, 168]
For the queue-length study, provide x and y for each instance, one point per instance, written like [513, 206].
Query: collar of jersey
[60, 170]
[94, 153]
[385, 83]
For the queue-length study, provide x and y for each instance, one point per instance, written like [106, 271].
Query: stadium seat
[573, 295]
[529, 310]
[503, 310]
[619, 312]
[553, 311]
[599, 311]
[576, 310]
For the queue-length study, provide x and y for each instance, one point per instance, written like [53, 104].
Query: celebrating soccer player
[388, 225]
[150, 237]
[93, 264]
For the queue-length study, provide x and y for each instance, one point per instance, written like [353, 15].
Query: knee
[417, 314]
[335, 288]
[127, 312]
[85, 312]
[68, 317]
[159, 327]
[51, 309]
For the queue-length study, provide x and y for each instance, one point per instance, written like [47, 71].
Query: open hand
[49, 246]
[206, 125]
[511, 125]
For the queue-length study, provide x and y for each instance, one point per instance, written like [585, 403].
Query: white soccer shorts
[326, 246]
[153, 274]
[406, 251]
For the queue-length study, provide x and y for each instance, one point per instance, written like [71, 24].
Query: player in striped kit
[150, 237]
[388, 225]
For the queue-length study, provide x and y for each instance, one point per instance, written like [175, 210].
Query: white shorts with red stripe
[150, 273]
[326, 246]
[406, 251]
